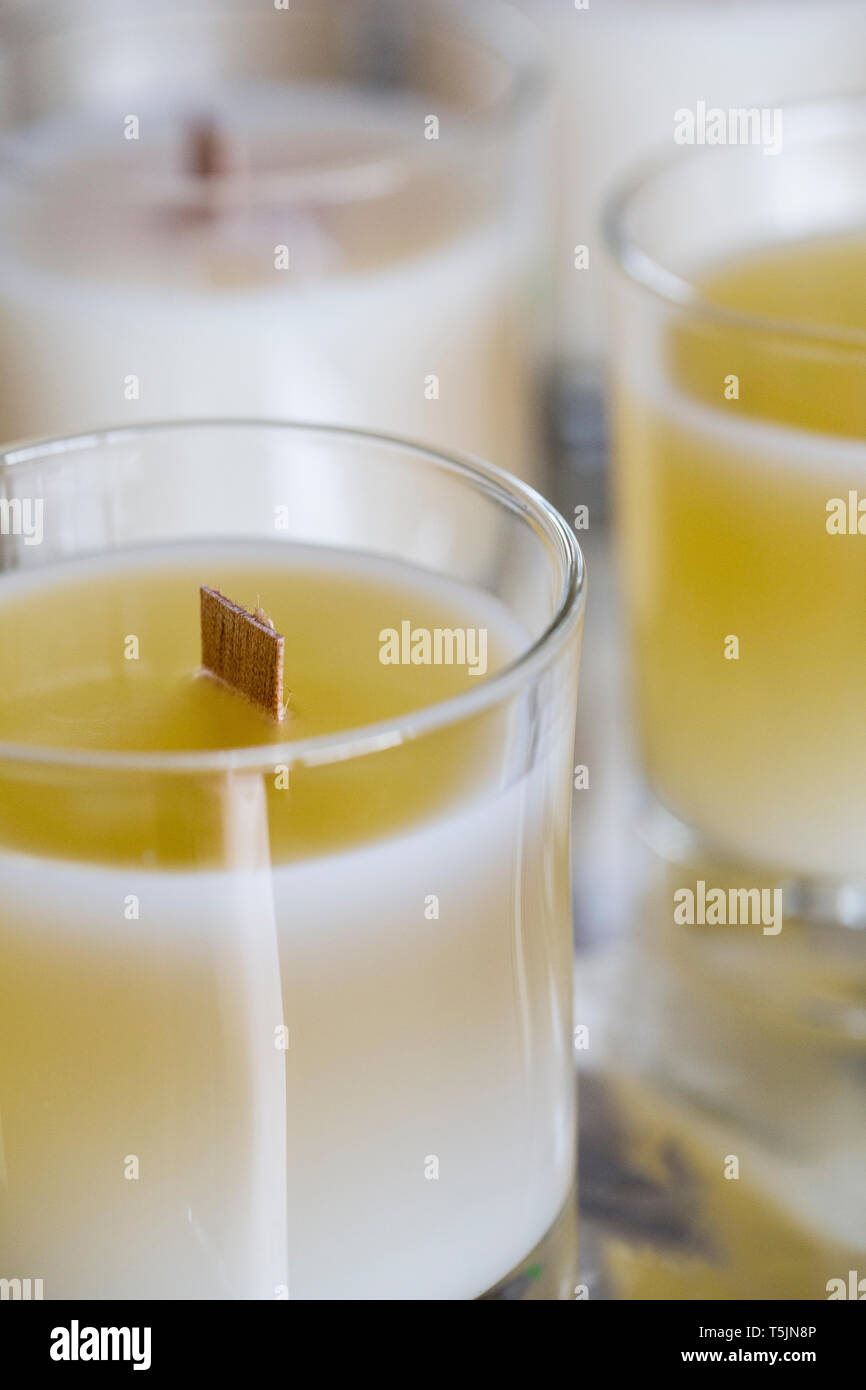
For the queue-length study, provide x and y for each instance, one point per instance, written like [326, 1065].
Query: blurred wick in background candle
[231, 189]
[217, 161]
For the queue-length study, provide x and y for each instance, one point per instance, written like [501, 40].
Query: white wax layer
[409, 1040]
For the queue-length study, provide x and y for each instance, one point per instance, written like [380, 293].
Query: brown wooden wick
[242, 650]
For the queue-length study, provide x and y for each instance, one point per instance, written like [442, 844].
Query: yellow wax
[724, 507]
[106, 659]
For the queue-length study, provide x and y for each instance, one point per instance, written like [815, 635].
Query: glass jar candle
[285, 1007]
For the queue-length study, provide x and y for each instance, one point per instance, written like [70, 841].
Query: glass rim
[492, 26]
[813, 120]
[550, 528]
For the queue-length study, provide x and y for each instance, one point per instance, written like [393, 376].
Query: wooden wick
[242, 650]
[216, 162]
[210, 152]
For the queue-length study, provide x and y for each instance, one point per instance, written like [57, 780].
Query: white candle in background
[401, 299]
[624, 67]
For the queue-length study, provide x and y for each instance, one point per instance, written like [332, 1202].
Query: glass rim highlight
[550, 528]
[806, 122]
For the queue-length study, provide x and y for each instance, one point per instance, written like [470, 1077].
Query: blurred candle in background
[323, 212]
[622, 70]
[739, 405]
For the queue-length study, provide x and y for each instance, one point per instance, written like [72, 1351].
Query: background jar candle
[740, 387]
[257, 1036]
[363, 251]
